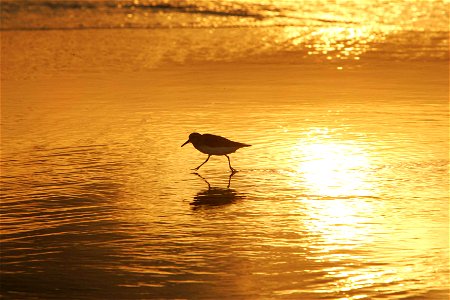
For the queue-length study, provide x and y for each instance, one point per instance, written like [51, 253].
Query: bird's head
[193, 137]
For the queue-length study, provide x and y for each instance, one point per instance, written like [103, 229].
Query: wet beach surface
[342, 195]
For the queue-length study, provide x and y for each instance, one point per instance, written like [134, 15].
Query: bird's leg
[229, 179]
[229, 164]
[202, 163]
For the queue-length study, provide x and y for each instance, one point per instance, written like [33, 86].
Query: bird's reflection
[215, 196]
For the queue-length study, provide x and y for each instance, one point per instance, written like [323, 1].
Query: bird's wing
[212, 140]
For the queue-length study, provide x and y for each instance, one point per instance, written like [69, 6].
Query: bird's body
[214, 145]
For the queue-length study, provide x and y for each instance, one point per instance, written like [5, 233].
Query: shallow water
[342, 195]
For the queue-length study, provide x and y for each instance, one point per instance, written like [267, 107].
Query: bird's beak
[185, 143]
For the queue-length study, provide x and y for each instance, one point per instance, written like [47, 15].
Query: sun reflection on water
[333, 169]
[335, 42]
[344, 231]
[340, 221]
[340, 206]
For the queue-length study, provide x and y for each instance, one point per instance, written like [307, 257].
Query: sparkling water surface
[339, 197]
[342, 195]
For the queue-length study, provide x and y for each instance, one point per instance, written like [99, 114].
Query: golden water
[342, 195]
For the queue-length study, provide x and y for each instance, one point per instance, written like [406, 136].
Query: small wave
[81, 15]
[51, 15]
[13, 6]
[147, 14]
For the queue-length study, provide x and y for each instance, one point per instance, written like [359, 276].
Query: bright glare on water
[342, 195]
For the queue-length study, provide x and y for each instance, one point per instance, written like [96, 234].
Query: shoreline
[52, 54]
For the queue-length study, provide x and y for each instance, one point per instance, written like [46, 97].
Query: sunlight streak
[332, 168]
[335, 42]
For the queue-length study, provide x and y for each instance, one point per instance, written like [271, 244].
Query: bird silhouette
[214, 145]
